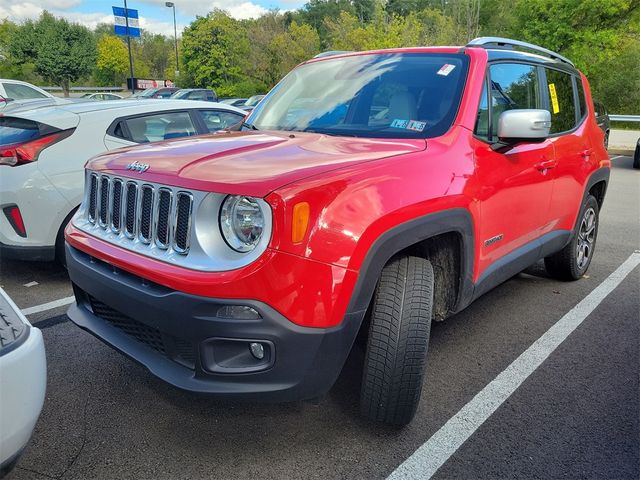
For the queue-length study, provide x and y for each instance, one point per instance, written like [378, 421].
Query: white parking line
[48, 306]
[616, 157]
[429, 457]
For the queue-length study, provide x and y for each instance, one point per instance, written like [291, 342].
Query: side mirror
[523, 125]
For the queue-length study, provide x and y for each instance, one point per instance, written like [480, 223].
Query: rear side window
[582, 101]
[513, 86]
[21, 92]
[561, 101]
[17, 130]
[161, 126]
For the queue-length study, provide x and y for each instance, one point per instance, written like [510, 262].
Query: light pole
[175, 34]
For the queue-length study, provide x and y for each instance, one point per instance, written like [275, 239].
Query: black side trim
[521, 258]
[456, 220]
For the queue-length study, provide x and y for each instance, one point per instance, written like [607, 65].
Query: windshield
[181, 94]
[146, 93]
[412, 95]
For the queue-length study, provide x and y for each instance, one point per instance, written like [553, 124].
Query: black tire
[572, 262]
[636, 156]
[398, 339]
[60, 252]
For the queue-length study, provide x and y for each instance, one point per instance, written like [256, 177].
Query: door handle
[546, 165]
[586, 153]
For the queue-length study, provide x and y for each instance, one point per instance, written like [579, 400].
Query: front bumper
[181, 338]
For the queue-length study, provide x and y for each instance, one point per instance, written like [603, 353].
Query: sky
[154, 16]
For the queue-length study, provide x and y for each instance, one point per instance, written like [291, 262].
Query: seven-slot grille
[151, 214]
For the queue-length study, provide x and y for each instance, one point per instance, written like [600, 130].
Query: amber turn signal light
[300, 221]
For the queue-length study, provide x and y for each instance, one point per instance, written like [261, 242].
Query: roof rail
[331, 52]
[499, 42]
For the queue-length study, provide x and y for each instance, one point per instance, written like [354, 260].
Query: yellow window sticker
[554, 98]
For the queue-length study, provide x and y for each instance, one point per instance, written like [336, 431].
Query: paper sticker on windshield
[446, 69]
[399, 123]
[416, 126]
[554, 98]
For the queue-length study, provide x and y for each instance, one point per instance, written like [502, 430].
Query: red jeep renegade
[369, 191]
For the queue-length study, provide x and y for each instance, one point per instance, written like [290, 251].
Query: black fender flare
[400, 237]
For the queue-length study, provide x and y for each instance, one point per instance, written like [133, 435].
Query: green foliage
[112, 64]
[215, 51]
[62, 52]
[602, 37]
[244, 57]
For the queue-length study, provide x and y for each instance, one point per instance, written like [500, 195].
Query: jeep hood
[247, 163]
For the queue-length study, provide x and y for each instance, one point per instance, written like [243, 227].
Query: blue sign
[121, 17]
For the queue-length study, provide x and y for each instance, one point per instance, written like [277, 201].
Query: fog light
[240, 312]
[257, 350]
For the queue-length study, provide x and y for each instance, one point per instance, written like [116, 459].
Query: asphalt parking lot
[575, 416]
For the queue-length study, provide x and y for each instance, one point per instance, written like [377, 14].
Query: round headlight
[241, 222]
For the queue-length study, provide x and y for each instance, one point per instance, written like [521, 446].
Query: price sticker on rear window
[446, 69]
[554, 98]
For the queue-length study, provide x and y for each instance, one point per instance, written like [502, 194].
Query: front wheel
[397, 343]
[572, 261]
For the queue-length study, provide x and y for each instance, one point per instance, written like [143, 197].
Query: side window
[513, 86]
[581, 98]
[561, 101]
[20, 92]
[482, 121]
[217, 120]
[161, 126]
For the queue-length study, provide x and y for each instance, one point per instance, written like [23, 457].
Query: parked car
[30, 103]
[205, 94]
[43, 151]
[602, 119]
[19, 90]
[251, 102]
[164, 92]
[236, 102]
[101, 96]
[404, 185]
[23, 370]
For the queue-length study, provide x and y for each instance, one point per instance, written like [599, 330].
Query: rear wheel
[572, 261]
[397, 342]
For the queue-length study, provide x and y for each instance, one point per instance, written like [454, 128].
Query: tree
[298, 44]
[112, 64]
[602, 37]
[215, 51]
[62, 52]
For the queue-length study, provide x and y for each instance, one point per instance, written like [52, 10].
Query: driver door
[514, 187]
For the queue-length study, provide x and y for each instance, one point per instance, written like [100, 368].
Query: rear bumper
[182, 339]
[17, 252]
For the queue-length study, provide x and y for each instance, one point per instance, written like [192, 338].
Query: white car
[23, 374]
[101, 96]
[17, 90]
[43, 152]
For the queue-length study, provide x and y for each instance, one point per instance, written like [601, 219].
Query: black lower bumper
[36, 254]
[182, 338]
